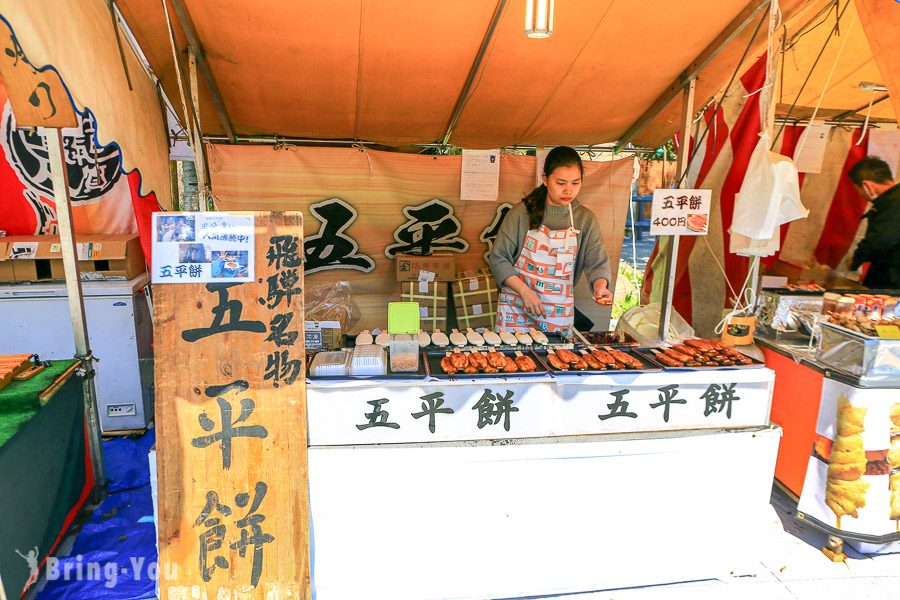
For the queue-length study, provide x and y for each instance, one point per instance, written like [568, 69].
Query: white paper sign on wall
[680, 212]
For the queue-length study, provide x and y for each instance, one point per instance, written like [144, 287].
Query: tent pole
[60, 181]
[687, 115]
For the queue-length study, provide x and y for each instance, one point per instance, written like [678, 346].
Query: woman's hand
[602, 295]
[532, 302]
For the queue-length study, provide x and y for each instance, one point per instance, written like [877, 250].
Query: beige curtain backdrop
[378, 185]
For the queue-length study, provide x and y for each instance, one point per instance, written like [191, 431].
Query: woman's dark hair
[536, 201]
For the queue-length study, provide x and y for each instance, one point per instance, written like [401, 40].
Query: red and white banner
[105, 199]
[720, 163]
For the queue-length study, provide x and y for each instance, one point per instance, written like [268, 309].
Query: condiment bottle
[845, 306]
[829, 302]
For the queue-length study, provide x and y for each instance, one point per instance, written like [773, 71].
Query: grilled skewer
[447, 365]
[496, 359]
[592, 362]
[556, 362]
[460, 361]
[478, 360]
[624, 358]
[567, 356]
[525, 364]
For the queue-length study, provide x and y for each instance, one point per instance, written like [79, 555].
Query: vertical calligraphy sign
[231, 427]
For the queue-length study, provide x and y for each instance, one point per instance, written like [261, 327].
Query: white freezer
[34, 318]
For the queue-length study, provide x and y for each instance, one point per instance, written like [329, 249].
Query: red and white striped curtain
[719, 163]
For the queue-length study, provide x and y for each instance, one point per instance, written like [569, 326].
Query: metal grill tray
[553, 339]
[432, 360]
[649, 364]
[646, 353]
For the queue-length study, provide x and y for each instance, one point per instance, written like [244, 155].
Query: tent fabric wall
[378, 186]
[881, 24]
[76, 37]
[720, 163]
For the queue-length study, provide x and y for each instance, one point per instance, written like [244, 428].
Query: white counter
[469, 512]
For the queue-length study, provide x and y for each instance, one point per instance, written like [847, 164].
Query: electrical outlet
[121, 410]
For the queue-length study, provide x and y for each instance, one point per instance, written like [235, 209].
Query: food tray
[420, 374]
[433, 362]
[646, 353]
[874, 361]
[649, 364]
[613, 339]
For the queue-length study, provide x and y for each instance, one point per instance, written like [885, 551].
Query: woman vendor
[545, 243]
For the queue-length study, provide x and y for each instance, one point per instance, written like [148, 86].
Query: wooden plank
[11, 365]
[233, 499]
[38, 98]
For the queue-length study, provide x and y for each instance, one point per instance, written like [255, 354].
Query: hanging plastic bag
[769, 198]
[642, 323]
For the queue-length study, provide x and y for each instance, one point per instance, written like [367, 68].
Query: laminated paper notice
[886, 146]
[811, 146]
[480, 179]
[210, 247]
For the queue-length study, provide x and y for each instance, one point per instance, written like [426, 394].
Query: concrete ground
[791, 566]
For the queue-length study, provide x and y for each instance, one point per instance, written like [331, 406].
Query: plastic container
[830, 301]
[404, 351]
[330, 364]
[368, 360]
[845, 306]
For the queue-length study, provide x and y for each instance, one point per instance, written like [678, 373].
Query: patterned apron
[547, 266]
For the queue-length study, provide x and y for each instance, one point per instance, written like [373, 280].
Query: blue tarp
[114, 554]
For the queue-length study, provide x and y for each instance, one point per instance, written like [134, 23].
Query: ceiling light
[873, 87]
[538, 18]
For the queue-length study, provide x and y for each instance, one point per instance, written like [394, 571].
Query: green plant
[628, 289]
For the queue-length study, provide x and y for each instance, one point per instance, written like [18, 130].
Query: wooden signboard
[231, 427]
[38, 98]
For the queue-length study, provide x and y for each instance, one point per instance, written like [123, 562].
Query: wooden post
[231, 428]
[687, 114]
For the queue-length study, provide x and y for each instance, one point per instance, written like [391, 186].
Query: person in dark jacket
[881, 246]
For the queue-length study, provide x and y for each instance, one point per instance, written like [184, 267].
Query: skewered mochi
[474, 338]
[439, 339]
[458, 339]
[538, 337]
[492, 338]
[508, 338]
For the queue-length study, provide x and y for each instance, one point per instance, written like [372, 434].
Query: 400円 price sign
[680, 212]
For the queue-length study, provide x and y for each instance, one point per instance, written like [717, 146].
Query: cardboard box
[39, 257]
[323, 335]
[475, 297]
[432, 297]
[799, 273]
[431, 318]
[410, 267]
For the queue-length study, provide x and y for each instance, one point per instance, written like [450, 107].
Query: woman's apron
[547, 265]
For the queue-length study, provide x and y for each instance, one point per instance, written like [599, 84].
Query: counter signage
[230, 391]
[680, 212]
[503, 409]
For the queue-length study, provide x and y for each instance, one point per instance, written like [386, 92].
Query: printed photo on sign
[231, 264]
[194, 253]
[175, 229]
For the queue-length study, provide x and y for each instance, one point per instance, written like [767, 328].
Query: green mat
[19, 400]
